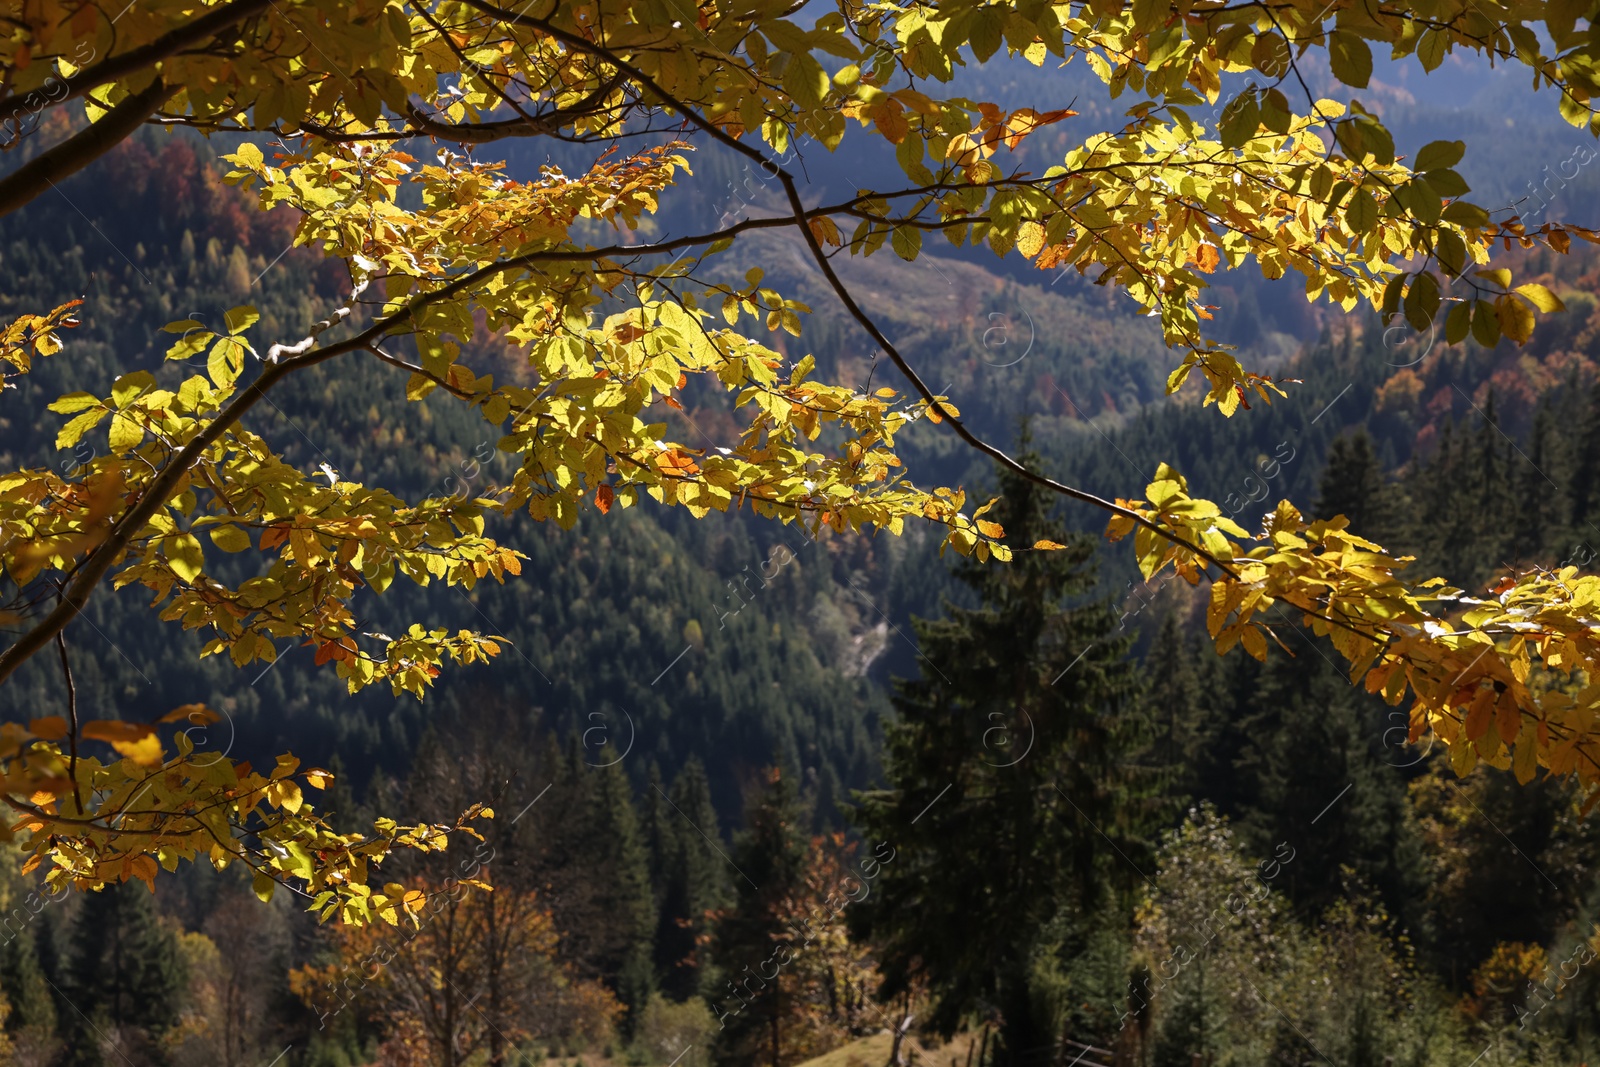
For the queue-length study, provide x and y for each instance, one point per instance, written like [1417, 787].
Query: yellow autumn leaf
[475, 240]
[1030, 238]
[285, 794]
[184, 555]
[318, 778]
[125, 432]
[1516, 318]
[146, 751]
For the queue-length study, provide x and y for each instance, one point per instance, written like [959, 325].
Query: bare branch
[72, 722]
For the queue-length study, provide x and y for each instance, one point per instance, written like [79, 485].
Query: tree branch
[396, 361]
[72, 721]
[81, 149]
[843, 292]
[541, 124]
[147, 55]
[282, 361]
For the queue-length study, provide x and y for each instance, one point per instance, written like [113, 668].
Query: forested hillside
[762, 794]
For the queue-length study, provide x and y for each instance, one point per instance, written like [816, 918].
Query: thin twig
[72, 720]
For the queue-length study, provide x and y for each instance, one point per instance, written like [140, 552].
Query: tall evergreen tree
[1176, 697]
[1494, 510]
[1354, 485]
[659, 832]
[1584, 494]
[1322, 788]
[1010, 773]
[1539, 519]
[32, 1022]
[627, 901]
[1300, 757]
[1448, 528]
[771, 855]
[125, 978]
[694, 882]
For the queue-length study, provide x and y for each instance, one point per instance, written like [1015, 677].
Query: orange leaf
[49, 728]
[625, 333]
[198, 714]
[962, 150]
[141, 867]
[116, 730]
[823, 229]
[1047, 546]
[889, 117]
[1207, 257]
[674, 461]
[603, 495]
[990, 529]
[1508, 717]
[1478, 716]
[1052, 256]
[1025, 121]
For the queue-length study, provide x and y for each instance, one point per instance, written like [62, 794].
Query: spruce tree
[624, 873]
[1323, 786]
[1175, 697]
[1353, 485]
[1540, 516]
[1441, 532]
[32, 1022]
[771, 856]
[660, 836]
[1492, 513]
[1014, 802]
[694, 881]
[126, 980]
[1584, 494]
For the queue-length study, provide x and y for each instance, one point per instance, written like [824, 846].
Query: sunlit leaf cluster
[1505, 678]
[149, 808]
[543, 303]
